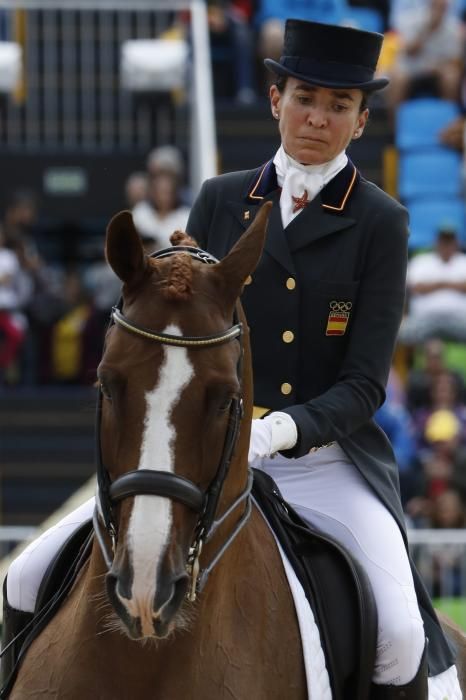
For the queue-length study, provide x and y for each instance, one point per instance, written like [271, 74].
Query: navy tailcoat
[324, 306]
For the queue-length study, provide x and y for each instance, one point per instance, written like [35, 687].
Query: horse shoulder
[458, 637]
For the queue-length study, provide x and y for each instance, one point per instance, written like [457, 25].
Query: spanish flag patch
[338, 317]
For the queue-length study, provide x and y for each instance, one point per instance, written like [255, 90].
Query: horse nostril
[120, 578]
[119, 585]
[123, 588]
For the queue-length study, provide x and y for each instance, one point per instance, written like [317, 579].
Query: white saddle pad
[445, 686]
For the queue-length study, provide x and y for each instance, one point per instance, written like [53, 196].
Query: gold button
[288, 336]
[248, 280]
[290, 283]
[286, 388]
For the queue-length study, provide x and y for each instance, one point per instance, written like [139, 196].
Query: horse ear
[243, 258]
[123, 248]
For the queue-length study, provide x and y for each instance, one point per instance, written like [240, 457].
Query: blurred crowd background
[77, 146]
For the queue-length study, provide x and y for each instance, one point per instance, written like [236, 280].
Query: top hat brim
[368, 86]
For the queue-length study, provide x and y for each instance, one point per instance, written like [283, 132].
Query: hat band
[331, 70]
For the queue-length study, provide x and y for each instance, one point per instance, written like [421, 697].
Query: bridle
[167, 484]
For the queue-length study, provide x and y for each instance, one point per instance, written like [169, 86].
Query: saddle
[55, 586]
[335, 585]
[337, 588]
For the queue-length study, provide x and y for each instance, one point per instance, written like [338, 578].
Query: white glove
[269, 435]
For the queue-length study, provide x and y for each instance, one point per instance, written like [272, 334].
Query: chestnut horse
[151, 615]
[176, 407]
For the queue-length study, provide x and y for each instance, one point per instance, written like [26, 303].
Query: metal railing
[440, 556]
[11, 535]
[71, 97]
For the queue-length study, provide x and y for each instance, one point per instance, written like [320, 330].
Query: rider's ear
[243, 258]
[124, 250]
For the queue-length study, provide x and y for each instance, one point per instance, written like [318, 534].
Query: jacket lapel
[325, 214]
[263, 188]
[313, 223]
[276, 243]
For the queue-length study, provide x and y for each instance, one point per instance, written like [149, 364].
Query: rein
[166, 484]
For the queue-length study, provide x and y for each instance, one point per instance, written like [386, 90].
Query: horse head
[174, 378]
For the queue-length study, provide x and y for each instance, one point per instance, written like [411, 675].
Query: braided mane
[179, 281]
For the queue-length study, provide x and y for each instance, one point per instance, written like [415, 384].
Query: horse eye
[225, 405]
[105, 391]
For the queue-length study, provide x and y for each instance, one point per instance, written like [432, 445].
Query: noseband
[167, 484]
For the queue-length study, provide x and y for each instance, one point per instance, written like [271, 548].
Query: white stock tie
[301, 183]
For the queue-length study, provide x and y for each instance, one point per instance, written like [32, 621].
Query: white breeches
[26, 572]
[330, 493]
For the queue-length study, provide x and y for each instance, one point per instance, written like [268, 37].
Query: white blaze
[151, 517]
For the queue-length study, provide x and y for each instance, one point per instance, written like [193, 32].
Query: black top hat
[329, 55]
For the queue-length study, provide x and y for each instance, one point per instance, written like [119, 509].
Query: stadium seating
[368, 18]
[428, 215]
[419, 122]
[429, 172]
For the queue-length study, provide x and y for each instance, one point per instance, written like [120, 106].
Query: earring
[276, 115]
[356, 133]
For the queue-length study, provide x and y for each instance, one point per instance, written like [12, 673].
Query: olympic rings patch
[341, 305]
[338, 317]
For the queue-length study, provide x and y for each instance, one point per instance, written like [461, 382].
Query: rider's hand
[269, 435]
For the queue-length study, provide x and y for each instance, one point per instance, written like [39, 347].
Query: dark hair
[447, 234]
[281, 81]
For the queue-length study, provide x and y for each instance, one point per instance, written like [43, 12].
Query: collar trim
[251, 194]
[336, 192]
[346, 195]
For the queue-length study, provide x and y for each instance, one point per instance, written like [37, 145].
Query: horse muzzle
[147, 615]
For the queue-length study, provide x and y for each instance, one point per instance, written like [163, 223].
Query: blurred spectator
[430, 52]
[420, 380]
[442, 566]
[135, 189]
[454, 134]
[232, 50]
[442, 435]
[381, 7]
[395, 389]
[271, 15]
[169, 159]
[42, 303]
[162, 213]
[102, 284]
[441, 438]
[442, 456]
[396, 422]
[12, 322]
[104, 287]
[165, 159]
[446, 416]
[20, 217]
[437, 293]
[68, 335]
[448, 510]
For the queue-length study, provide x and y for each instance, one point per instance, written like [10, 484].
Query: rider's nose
[317, 118]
